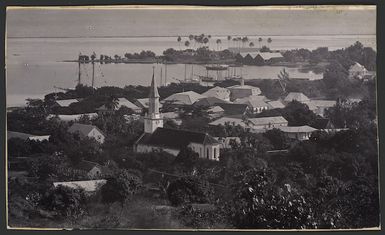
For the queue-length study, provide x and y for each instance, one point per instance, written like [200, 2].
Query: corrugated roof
[257, 103]
[209, 101]
[87, 185]
[66, 103]
[234, 109]
[268, 120]
[218, 92]
[252, 97]
[297, 129]
[252, 54]
[175, 138]
[276, 104]
[298, 96]
[184, 98]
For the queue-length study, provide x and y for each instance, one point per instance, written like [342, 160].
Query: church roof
[153, 90]
[175, 139]
[184, 98]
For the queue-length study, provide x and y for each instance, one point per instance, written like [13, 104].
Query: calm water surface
[34, 65]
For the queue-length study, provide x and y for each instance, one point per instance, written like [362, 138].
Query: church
[155, 137]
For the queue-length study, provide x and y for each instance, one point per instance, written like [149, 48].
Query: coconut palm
[251, 44]
[269, 40]
[179, 40]
[187, 43]
[112, 103]
[244, 40]
[260, 40]
[219, 41]
[228, 41]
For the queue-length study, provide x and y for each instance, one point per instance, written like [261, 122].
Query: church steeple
[153, 118]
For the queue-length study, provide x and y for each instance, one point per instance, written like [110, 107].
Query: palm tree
[112, 103]
[219, 41]
[179, 40]
[191, 37]
[260, 40]
[251, 44]
[228, 41]
[269, 40]
[244, 40]
[205, 40]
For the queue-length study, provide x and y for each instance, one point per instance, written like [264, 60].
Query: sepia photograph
[192, 118]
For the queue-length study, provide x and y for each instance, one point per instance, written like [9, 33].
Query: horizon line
[212, 35]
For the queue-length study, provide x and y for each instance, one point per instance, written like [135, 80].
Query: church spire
[154, 90]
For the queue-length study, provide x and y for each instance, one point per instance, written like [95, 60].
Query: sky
[96, 22]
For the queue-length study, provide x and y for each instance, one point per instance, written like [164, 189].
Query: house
[173, 140]
[89, 131]
[231, 109]
[93, 169]
[256, 103]
[25, 136]
[231, 121]
[89, 186]
[64, 103]
[264, 58]
[357, 71]
[297, 132]
[209, 102]
[74, 117]
[242, 91]
[157, 138]
[216, 112]
[120, 103]
[323, 124]
[183, 98]
[297, 96]
[321, 106]
[276, 104]
[143, 103]
[227, 142]
[268, 122]
[218, 92]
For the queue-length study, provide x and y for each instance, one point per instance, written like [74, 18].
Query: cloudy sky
[72, 22]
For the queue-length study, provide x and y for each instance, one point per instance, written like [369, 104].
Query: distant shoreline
[164, 36]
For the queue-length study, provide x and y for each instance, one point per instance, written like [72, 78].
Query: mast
[93, 69]
[161, 76]
[185, 72]
[165, 73]
[79, 72]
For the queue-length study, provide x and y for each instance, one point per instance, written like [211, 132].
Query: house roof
[218, 92]
[66, 103]
[257, 103]
[127, 103]
[298, 96]
[39, 138]
[245, 87]
[184, 98]
[144, 102]
[252, 97]
[234, 109]
[215, 109]
[357, 67]
[252, 54]
[267, 120]
[209, 101]
[322, 123]
[175, 138]
[270, 55]
[170, 115]
[87, 185]
[297, 129]
[276, 104]
[20, 135]
[83, 129]
[324, 103]
[229, 120]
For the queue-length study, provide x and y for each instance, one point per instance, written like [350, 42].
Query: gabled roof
[175, 138]
[298, 96]
[357, 67]
[184, 98]
[20, 135]
[268, 120]
[218, 92]
[270, 55]
[215, 109]
[257, 103]
[252, 97]
[83, 129]
[322, 123]
[127, 103]
[234, 109]
[297, 129]
[144, 103]
[66, 103]
[245, 87]
[252, 54]
[276, 104]
[87, 185]
[209, 101]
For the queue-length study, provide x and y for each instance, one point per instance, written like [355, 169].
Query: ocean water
[34, 65]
